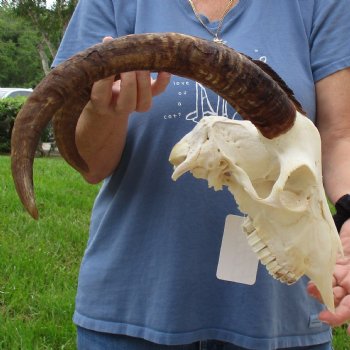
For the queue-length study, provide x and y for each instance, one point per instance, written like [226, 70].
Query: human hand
[102, 127]
[341, 285]
[132, 92]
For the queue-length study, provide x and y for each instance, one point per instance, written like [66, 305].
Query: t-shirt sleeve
[92, 20]
[330, 37]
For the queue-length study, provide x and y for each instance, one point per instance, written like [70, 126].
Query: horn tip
[33, 211]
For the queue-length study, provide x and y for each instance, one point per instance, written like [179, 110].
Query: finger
[101, 92]
[127, 98]
[313, 291]
[339, 293]
[343, 261]
[160, 84]
[334, 320]
[115, 91]
[144, 91]
[342, 275]
[341, 315]
[107, 38]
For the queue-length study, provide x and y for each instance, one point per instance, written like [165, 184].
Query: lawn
[39, 260]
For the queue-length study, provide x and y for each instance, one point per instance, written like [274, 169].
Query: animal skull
[277, 183]
[279, 188]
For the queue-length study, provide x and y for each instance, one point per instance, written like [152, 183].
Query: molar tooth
[282, 274]
[253, 238]
[273, 267]
[265, 253]
[255, 242]
[267, 259]
[289, 278]
[258, 246]
[286, 276]
[248, 226]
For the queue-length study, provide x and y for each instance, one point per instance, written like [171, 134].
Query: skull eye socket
[296, 193]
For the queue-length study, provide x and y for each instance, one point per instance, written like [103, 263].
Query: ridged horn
[66, 89]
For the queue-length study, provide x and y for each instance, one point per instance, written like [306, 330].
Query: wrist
[342, 214]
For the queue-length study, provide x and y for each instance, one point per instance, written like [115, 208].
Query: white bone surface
[277, 183]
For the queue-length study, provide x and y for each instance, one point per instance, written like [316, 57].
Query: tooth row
[248, 227]
[260, 248]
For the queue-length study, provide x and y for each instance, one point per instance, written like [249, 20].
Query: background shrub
[9, 108]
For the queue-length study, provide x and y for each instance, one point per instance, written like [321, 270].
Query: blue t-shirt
[149, 269]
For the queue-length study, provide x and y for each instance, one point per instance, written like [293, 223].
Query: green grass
[341, 340]
[39, 260]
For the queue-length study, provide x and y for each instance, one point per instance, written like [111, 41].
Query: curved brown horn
[66, 90]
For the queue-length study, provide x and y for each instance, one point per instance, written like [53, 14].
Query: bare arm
[102, 126]
[333, 121]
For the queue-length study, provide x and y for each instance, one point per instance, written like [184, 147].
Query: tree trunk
[44, 58]
[48, 43]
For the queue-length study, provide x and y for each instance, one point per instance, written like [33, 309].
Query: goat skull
[252, 88]
[278, 184]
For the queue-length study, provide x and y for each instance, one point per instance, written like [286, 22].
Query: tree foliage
[29, 37]
[19, 63]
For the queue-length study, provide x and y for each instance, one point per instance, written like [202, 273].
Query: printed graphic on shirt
[205, 102]
[205, 108]
[201, 101]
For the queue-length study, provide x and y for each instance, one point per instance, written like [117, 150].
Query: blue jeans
[91, 340]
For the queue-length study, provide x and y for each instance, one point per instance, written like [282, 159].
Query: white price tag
[237, 261]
